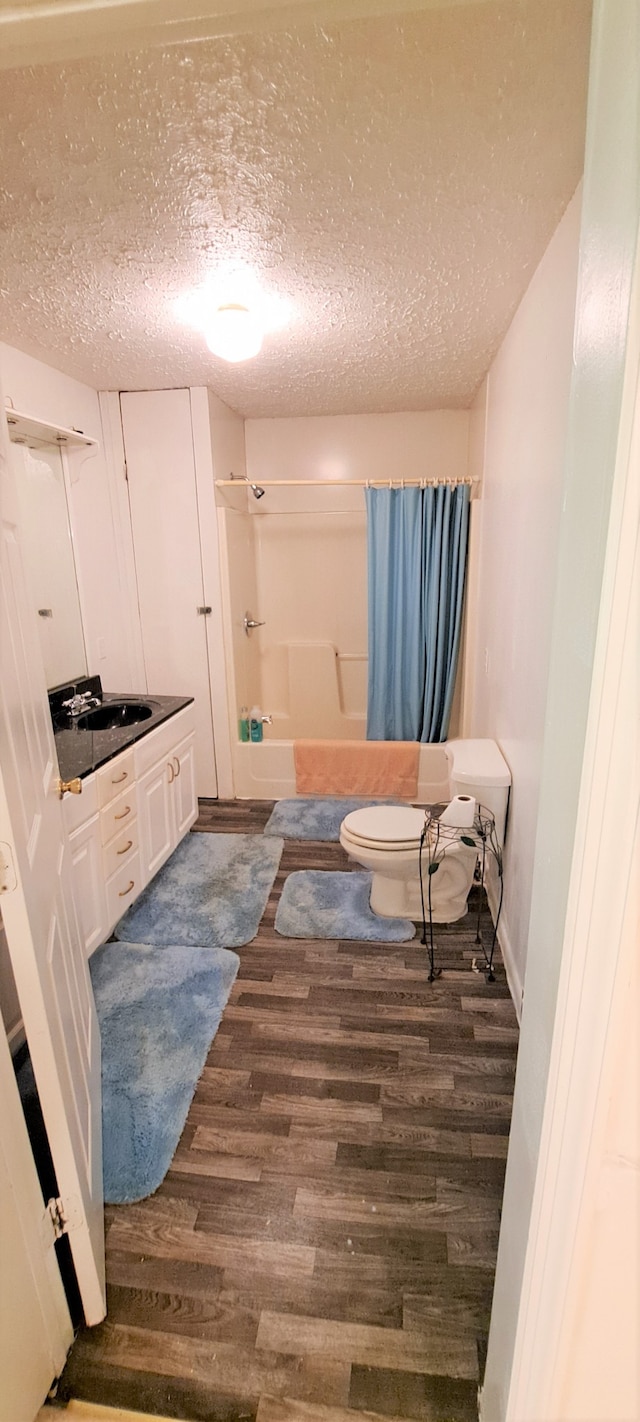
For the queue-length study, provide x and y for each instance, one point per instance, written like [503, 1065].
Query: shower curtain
[417, 553]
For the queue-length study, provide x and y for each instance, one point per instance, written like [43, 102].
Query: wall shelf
[25, 429]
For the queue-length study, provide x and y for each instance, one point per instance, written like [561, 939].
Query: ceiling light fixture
[233, 332]
[233, 312]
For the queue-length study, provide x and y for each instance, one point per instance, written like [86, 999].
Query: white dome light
[233, 332]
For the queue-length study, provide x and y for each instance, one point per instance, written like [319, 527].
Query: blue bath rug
[320, 904]
[212, 892]
[158, 1009]
[313, 818]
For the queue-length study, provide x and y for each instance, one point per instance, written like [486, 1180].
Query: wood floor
[323, 1247]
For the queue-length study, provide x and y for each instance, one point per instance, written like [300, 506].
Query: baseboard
[506, 948]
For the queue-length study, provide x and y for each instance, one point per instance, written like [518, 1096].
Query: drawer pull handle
[119, 778]
[125, 848]
[125, 812]
[178, 766]
[172, 773]
[123, 892]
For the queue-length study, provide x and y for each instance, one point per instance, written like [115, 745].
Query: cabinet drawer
[122, 888]
[159, 743]
[77, 809]
[114, 777]
[119, 815]
[120, 850]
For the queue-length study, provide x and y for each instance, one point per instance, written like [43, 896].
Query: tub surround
[79, 751]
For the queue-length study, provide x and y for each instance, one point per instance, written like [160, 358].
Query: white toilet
[386, 839]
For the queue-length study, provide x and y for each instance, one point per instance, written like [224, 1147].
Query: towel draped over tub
[381, 768]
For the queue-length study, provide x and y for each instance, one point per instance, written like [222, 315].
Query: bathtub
[265, 771]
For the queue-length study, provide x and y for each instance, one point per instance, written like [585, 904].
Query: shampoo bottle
[243, 723]
[255, 723]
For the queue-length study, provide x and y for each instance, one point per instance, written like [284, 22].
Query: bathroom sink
[113, 714]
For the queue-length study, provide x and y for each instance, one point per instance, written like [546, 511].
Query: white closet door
[166, 537]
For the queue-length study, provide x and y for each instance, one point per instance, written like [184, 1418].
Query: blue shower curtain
[417, 553]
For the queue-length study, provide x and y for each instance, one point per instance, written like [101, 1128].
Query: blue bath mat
[158, 1009]
[212, 892]
[313, 818]
[320, 904]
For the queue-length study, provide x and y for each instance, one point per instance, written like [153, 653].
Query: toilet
[386, 839]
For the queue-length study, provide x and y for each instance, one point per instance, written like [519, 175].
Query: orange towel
[376, 768]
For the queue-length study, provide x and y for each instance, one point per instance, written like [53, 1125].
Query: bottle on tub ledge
[243, 724]
[255, 724]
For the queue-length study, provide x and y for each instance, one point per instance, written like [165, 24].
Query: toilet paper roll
[460, 812]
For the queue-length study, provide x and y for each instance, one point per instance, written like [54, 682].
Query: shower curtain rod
[350, 483]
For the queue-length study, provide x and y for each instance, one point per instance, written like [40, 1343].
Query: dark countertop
[81, 752]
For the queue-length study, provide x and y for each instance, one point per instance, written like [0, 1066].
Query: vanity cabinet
[128, 820]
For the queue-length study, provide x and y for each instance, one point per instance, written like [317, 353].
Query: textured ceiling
[397, 180]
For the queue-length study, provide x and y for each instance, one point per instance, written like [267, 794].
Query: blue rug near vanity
[212, 892]
[319, 903]
[159, 1010]
[313, 818]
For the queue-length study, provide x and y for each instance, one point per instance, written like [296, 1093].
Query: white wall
[520, 416]
[414, 445]
[39, 390]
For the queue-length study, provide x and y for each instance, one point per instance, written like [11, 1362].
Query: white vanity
[129, 817]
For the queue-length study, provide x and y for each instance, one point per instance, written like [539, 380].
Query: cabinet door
[155, 818]
[88, 883]
[185, 800]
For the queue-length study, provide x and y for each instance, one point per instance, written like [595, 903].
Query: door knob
[73, 786]
[249, 623]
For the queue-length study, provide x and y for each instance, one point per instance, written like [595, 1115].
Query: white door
[35, 1327]
[158, 440]
[40, 922]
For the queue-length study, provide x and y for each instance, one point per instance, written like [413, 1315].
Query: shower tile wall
[312, 593]
[242, 594]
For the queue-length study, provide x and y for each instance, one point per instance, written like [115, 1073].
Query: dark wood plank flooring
[323, 1247]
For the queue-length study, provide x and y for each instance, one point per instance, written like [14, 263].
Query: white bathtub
[266, 772]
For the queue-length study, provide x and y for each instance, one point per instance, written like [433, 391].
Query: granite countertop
[81, 752]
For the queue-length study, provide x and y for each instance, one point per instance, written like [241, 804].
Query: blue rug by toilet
[158, 1010]
[313, 818]
[212, 892]
[316, 903]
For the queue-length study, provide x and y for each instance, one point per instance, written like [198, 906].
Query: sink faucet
[80, 702]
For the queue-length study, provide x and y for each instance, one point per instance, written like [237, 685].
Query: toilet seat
[392, 827]
[397, 847]
[389, 829]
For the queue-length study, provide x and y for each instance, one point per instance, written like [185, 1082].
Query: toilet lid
[385, 824]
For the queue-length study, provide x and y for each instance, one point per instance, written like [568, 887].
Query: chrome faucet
[80, 702]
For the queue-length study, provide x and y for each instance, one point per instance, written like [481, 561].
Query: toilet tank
[478, 768]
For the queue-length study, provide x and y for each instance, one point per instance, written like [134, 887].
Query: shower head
[255, 488]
